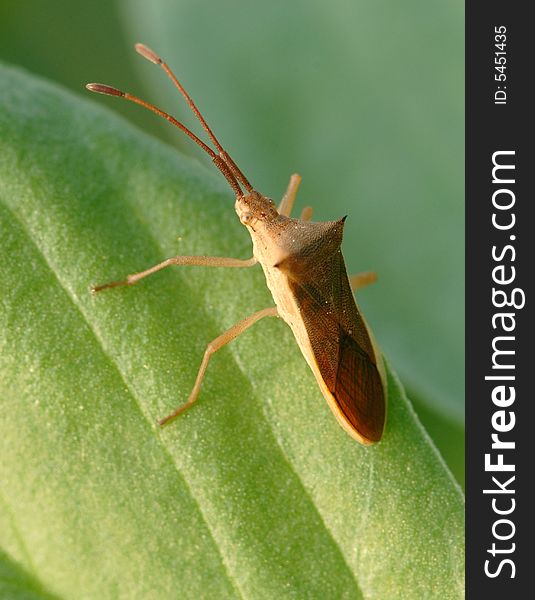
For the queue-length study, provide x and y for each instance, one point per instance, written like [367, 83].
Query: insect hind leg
[213, 347]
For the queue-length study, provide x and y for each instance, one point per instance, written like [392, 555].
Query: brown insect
[306, 274]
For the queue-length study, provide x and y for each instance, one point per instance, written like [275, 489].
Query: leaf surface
[256, 492]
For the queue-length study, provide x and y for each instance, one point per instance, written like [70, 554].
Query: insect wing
[343, 350]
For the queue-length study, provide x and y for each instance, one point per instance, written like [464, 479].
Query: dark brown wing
[341, 344]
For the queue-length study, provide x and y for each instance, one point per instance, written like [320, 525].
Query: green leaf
[447, 435]
[255, 492]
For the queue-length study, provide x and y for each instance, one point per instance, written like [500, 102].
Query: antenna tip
[147, 53]
[100, 88]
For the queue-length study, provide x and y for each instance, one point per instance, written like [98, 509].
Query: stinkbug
[307, 277]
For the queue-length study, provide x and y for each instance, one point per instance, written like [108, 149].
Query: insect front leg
[199, 261]
[287, 202]
[213, 347]
[361, 280]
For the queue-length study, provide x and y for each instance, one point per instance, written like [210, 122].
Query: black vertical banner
[500, 254]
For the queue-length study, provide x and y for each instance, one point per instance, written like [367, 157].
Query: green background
[363, 99]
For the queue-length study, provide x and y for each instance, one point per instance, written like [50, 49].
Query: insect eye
[246, 218]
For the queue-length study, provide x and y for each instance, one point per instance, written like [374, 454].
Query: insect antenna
[219, 161]
[157, 60]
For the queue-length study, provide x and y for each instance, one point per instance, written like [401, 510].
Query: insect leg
[287, 202]
[214, 346]
[200, 261]
[361, 280]
[306, 213]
